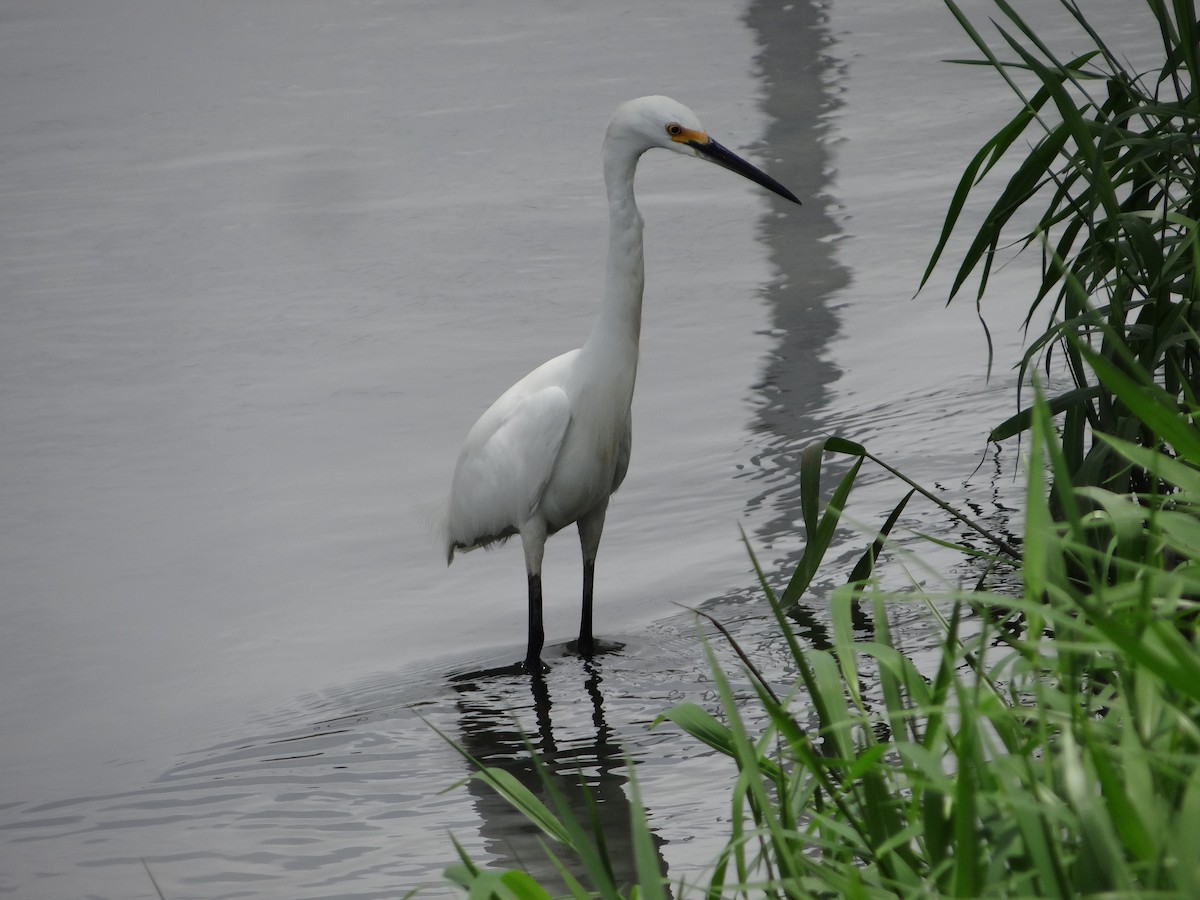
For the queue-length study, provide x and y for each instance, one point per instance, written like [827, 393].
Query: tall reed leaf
[1110, 171]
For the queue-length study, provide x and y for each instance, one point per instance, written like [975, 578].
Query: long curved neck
[624, 278]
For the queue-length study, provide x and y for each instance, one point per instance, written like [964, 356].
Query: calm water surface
[265, 264]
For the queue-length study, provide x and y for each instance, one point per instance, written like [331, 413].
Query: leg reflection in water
[501, 715]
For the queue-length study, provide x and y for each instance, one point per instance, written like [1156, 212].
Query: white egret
[553, 448]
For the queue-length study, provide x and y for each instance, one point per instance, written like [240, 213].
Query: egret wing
[504, 469]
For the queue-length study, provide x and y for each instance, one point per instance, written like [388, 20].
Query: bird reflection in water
[502, 714]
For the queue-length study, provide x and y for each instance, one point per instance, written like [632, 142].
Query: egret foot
[593, 647]
[534, 667]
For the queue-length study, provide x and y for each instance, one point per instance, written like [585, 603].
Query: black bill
[722, 156]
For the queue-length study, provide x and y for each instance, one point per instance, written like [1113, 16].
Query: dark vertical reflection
[798, 97]
[801, 93]
[502, 716]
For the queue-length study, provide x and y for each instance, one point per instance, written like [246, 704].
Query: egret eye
[674, 129]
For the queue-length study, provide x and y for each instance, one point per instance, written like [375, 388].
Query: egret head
[659, 121]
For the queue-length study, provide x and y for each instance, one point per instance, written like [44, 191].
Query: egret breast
[594, 452]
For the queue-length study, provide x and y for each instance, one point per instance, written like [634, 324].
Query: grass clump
[1112, 177]
[1055, 752]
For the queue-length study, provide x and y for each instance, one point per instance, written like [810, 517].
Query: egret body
[553, 448]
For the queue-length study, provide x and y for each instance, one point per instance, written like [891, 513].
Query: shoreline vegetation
[1055, 749]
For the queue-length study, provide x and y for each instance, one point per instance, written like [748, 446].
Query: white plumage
[553, 448]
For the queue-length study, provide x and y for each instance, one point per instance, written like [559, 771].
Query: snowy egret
[553, 448]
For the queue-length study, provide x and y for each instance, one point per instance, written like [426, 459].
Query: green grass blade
[1149, 403]
[523, 800]
[701, 725]
[865, 566]
[1020, 422]
[818, 540]
[645, 855]
[1158, 464]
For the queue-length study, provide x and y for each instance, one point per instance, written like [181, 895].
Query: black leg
[586, 645]
[533, 655]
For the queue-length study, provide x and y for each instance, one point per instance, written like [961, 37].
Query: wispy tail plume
[437, 521]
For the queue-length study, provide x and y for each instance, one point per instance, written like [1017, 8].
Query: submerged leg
[533, 540]
[586, 645]
[590, 528]
[533, 652]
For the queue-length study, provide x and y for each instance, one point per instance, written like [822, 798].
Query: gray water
[264, 264]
